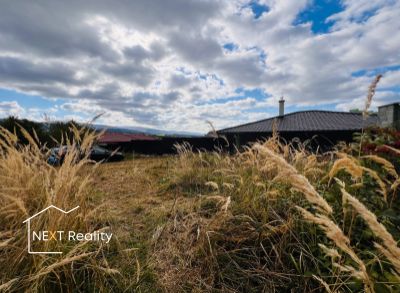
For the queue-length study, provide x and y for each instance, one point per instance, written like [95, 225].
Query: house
[389, 115]
[153, 145]
[121, 141]
[324, 128]
[110, 138]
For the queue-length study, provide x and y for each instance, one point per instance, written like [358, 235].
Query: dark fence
[314, 140]
[321, 141]
[167, 145]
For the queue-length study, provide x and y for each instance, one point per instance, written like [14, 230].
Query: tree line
[49, 133]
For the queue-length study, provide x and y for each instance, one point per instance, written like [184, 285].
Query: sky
[176, 64]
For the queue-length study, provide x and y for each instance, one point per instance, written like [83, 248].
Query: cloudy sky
[175, 64]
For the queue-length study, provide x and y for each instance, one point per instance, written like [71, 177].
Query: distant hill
[145, 130]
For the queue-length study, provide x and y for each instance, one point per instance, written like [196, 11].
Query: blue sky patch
[325, 107]
[256, 93]
[28, 102]
[317, 13]
[375, 71]
[230, 47]
[258, 9]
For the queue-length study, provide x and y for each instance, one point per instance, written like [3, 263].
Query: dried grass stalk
[352, 166]
[334, 233]
[389, 248]
[385, 163]
[289, 174]
[323, 283]
[370, 95]
[396, 151]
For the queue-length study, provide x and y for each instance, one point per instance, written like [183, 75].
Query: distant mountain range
[145, 130]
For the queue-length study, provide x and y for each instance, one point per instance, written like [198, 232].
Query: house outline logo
[28, 221]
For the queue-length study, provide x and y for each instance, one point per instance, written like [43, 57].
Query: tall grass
[246, 231]
[29, 184]
[368, 101]
[278, 217]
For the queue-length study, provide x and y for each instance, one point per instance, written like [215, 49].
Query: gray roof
[314, 120]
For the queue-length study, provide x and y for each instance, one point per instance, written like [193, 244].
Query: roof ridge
[290, 114]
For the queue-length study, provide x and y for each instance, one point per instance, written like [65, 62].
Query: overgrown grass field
[273, 218]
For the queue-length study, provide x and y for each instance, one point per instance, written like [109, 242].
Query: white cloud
[161, 64]
[10, 109]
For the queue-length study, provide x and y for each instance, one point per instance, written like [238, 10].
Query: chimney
[389, 115]
[281, 107]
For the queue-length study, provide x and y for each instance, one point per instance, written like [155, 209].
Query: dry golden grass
[275, 170]
[334, 233]
[371, 93]
[289, 174]
[29, 185]
[353, 166]
[389, 246]
[385, 163]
